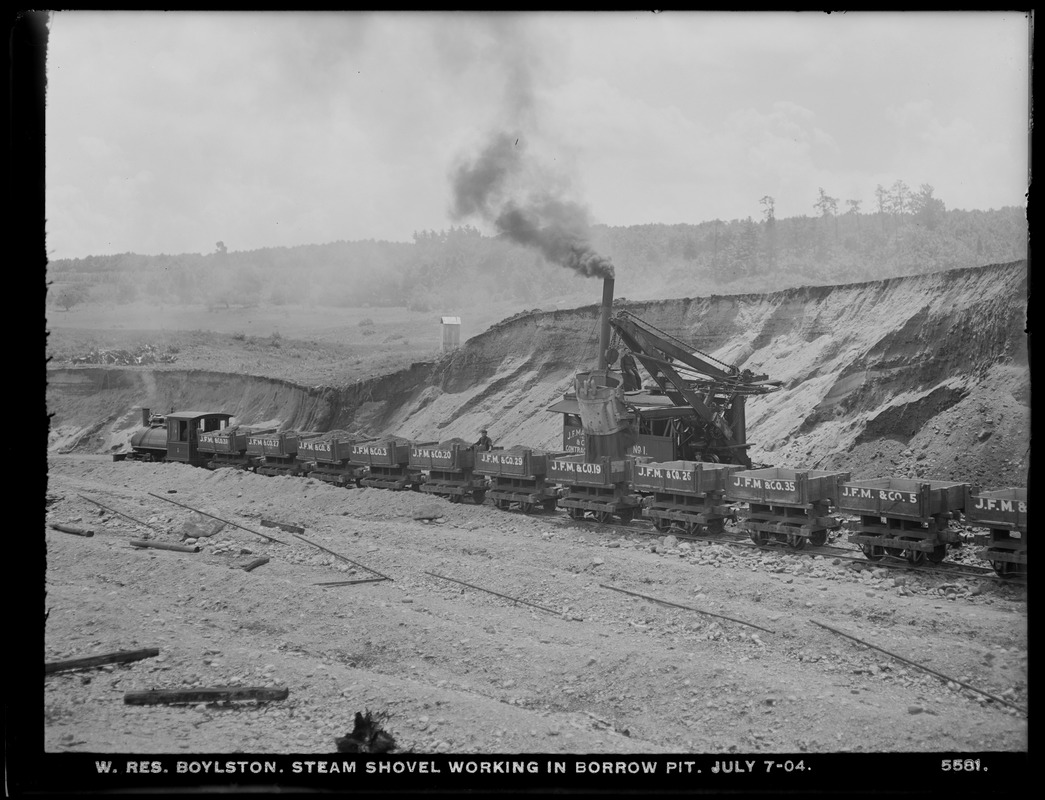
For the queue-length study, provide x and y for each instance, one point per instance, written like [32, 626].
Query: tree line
[907, 232]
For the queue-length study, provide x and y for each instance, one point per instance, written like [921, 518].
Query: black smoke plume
[491, 187]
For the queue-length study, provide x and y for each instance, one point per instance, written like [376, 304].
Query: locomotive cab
[174, 436]
[183, 434]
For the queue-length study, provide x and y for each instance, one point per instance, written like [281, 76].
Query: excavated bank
[916, 376]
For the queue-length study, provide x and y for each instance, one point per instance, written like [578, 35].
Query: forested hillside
[460, 267]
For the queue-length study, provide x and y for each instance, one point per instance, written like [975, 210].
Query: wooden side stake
[72, 529]
[119, 657]
[181, 548]
[349, 583]
[257, 562]
[205, 695]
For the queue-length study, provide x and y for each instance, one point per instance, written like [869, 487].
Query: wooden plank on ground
[181, 548]
[72, 529]
[205, 695]
[119, 657]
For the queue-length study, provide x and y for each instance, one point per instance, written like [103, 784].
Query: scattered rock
[430, 512]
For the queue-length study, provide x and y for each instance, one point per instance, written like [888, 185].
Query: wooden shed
[451, 333]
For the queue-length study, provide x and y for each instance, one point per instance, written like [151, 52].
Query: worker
[630, 373]
[485, 442]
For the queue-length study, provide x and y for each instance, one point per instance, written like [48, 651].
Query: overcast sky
[167, 132]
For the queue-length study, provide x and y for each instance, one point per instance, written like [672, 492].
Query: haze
[170, 131]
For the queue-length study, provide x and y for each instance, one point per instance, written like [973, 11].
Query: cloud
[266, 129]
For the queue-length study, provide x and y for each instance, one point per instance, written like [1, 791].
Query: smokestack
[604, 321]
[145, 417]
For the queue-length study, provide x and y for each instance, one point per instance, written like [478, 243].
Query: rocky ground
[459, 670]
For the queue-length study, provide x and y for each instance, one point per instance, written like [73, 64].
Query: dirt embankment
[916, 376]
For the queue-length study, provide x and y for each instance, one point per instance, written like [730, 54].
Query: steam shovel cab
[175, 436]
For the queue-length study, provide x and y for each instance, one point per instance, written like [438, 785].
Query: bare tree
[881, 196]
[828, 207]
[899, 198]
[768, 207]
[769, 210]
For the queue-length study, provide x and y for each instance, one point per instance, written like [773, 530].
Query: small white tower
[451, 333]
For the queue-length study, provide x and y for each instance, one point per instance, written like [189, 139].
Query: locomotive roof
[197, 415]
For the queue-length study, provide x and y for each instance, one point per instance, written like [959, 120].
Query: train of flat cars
[891, 518]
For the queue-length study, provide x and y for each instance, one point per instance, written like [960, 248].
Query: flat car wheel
[938, 554]
[871, 552]
[549, 505]
[915, 557]
[1008, 569]
[478, 496]
[761, 538]
[818, 539]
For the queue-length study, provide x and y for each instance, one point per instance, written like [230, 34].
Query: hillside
[923, 375]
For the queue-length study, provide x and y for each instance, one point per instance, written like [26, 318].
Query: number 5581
[960, 765]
